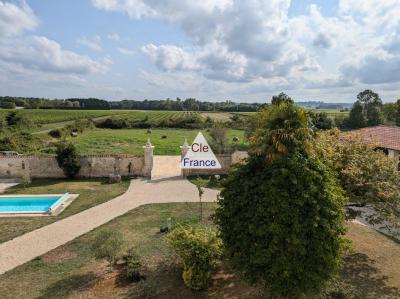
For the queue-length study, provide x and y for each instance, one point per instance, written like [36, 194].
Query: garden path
[166, 167]
[140, 192]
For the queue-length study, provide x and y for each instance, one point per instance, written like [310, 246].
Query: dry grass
[370, 269]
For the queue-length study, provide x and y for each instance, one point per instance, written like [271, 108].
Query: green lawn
[131, 141]
[68, 270]
[370, 270]
[91, 193]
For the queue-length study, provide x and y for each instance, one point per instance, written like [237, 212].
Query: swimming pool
[14, 204]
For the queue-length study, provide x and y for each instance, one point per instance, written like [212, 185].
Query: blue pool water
[27, 203]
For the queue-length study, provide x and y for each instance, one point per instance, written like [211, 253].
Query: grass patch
[131, 141]
[91, 193]
[370, 270]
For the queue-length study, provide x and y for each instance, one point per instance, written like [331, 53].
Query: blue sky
[211, 50]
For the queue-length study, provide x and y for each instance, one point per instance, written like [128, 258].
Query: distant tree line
[189, 104]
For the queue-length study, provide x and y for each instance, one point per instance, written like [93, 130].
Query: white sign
[200, 155]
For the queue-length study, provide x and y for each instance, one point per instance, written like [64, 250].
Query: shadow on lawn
[64, 287]
[360, 271]
[164, 281]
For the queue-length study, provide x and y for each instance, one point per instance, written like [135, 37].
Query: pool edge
[60, 207]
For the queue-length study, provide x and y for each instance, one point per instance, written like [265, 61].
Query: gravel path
[166, 167]
[141, 191]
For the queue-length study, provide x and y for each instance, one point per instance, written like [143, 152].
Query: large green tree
[280, 215]
[373, 106]
[281, 98]
[357, 117]
[366, 111]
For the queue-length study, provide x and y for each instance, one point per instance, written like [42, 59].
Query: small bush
[56, 133]
[133, 265]
[26, 179]
[16, 120]
[199, 248]
[7, 105]
[68, 159]
[163, 137]
[219, 141]
[107, 245]
[80, 125]
[21, 142]
[235, 139]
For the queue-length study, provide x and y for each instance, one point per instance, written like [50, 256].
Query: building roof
[382, 136]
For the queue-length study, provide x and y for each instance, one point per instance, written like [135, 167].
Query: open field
[370, 270]
[91, 193]
[45, 117]
[50, 116]
[332, 112]
[217, 116]
[131, 141]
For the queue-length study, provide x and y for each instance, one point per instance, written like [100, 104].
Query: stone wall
[91, 166]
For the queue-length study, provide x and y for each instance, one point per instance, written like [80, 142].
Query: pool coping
[60, 205]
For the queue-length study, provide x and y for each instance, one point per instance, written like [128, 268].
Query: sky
[212, 50]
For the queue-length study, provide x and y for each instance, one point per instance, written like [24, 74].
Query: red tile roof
[383, 136]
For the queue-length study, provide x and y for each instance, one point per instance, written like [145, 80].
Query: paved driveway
[141, 191]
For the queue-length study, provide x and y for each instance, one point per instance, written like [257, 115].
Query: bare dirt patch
[58, 255]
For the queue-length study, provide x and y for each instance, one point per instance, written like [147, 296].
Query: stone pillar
[184, 149]
[148, 159]
[117, 165]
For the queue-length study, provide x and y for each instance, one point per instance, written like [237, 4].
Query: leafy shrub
[133, 265]
[281, 223]
[21, 142]
[219, 141]
[321, 120]
[16, 120]
[26, 179]
[281, 214]
[113, 123]
[107, 245]
[235, 139]
[80, 125]
[7, 105]
[368, 176]
[68, 159]
[56, 133]
[198, 249]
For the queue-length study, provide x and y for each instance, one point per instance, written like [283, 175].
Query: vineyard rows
[41, 116]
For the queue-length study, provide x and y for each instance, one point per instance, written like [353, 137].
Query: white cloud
[30, 61]
[258, 43]
[41, 53]
[114, 36]
[126, 51]
[170, 58]
[91, 43]
[15, 19]
[235, 41]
